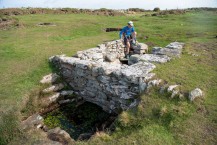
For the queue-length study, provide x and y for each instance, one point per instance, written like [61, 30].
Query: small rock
[149, 76]
[54, 97]
[170, 88]
[32, 121]
[59, 135]
[174, 93]
[53, 88]
[51, 78]
[153, 83]
[66, 101]
[196, 93]
[66, 93]
[39, 126]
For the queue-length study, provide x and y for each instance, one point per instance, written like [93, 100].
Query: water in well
[77, 121]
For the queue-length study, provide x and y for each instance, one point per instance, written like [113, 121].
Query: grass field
[24, 54]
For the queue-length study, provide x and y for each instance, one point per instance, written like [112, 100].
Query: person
[128, 35]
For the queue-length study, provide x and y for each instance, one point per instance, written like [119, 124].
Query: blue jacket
[128, 31]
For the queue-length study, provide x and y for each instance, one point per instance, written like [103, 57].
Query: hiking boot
[127, 56]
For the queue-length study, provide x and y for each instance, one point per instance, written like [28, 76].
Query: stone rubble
[99, 77]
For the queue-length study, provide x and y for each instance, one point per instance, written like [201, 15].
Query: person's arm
[121, 32]
[134, 33]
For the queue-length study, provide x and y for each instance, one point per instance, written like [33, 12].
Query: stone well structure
[98, 76]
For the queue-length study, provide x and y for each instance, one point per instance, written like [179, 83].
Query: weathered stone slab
[149, 58]
[172, 50]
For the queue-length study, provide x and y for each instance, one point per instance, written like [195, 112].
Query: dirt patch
[46, 24]
[112, 29]
[206, 50]
[6, 23]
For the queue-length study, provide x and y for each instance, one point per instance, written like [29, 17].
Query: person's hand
[121, 39]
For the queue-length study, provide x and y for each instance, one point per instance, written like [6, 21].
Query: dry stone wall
[99, 77]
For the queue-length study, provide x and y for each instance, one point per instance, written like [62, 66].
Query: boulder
[196, 93]
[171, 88]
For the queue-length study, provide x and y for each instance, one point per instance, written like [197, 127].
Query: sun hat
[130, 23]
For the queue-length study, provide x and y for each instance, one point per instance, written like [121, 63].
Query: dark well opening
[82, 121]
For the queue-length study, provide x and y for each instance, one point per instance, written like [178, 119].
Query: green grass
[24, 54]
